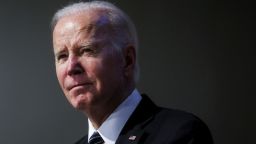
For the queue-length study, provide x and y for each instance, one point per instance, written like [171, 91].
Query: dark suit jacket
[150, 124]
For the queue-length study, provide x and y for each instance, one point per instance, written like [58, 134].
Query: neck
[99, 113]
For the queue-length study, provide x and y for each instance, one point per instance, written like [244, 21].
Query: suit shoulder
[183, 125]
[179, 118]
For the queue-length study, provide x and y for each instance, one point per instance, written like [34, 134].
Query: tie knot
[96, 138]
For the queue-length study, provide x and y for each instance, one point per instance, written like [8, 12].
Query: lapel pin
[132, 137]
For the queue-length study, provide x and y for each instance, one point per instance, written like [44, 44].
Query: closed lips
[77, 85]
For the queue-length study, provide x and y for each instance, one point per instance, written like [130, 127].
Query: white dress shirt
[112, 126]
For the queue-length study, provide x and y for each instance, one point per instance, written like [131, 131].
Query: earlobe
[129, 59]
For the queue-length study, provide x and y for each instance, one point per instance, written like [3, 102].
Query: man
[95, 46]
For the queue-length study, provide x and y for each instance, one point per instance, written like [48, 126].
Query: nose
[74, 66]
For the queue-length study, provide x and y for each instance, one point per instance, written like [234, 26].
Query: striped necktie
[96, 138]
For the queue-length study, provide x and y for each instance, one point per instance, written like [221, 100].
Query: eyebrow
[93, 43]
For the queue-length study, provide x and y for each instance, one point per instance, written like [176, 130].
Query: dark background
[194, 55]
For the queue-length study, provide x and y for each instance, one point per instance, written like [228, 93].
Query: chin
[80, 102]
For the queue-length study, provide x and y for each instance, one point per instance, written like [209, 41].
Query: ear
[129, 60]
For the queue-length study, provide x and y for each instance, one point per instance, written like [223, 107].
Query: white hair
[123, 28]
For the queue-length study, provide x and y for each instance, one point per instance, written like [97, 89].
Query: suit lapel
[133, 137]
[133, 131]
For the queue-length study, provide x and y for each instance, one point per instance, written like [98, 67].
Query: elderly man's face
[89, 71]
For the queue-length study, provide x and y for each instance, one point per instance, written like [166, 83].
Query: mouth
[78, 85]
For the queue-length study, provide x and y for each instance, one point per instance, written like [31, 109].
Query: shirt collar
[112, 126]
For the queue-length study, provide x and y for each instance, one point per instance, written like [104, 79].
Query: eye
[87, 51]
[61, 57]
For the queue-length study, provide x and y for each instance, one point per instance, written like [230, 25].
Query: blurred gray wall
[194, 55]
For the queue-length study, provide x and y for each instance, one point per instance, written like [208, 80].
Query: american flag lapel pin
[132, 138]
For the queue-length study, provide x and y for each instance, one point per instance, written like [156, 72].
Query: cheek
[95, 70]
[108, 71]
[60, 75]
[92, 67]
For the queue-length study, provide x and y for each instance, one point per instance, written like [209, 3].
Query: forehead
[80, 29]
[90, 20]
